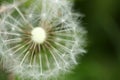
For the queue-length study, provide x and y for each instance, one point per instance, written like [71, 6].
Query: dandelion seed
[9, 7]
[41, 43]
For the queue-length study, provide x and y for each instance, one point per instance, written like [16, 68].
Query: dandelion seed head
[42, 41]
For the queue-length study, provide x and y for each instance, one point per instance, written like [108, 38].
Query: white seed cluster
[40, 39]
[38, 35]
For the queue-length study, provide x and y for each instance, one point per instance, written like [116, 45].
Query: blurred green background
[102, 21]
[102, 61]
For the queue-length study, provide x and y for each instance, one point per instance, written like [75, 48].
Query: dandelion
[41, 40]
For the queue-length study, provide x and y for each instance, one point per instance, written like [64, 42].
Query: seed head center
[38, 35]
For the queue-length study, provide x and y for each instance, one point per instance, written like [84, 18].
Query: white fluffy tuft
[60, 39]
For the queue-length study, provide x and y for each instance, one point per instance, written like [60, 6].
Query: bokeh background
[102, 60]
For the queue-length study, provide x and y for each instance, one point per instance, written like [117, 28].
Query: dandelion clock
[40, 39]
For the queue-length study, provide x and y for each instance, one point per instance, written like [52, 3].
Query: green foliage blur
[102, 60]
[102, 21]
